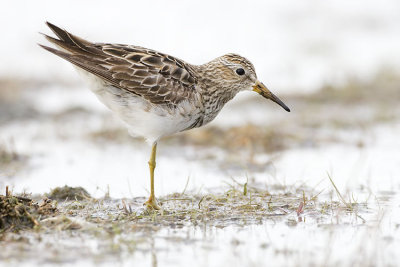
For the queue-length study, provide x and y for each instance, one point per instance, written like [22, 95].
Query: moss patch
[19, 212]
[68, 193]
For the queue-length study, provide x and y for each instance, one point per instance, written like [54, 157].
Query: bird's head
[239, 74]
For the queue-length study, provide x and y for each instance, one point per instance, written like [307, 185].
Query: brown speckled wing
[159, 78]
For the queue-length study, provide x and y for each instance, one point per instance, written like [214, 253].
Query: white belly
[142, 117]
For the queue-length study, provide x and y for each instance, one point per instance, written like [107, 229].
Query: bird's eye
[240, 71]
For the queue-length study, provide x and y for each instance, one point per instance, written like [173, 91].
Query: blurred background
[336, 64]
[294, 46]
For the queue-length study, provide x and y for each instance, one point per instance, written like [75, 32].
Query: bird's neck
[214, 85]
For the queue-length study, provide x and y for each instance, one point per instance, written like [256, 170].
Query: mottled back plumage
[144, 72]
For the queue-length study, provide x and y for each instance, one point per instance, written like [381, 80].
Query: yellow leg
[152, 202]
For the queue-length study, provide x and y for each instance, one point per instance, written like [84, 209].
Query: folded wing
[158, 78]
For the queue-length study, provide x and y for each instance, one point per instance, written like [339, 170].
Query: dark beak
[260, 88]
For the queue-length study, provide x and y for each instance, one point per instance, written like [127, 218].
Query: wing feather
[157, 77]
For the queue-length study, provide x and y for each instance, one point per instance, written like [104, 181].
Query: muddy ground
[246, 221]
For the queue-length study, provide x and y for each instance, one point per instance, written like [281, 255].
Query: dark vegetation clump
[11, 161]
[7, 156]
[18, 212]
[380, 89]
[68, 193]
[251, 137]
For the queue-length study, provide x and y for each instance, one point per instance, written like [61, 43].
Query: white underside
[142, 118]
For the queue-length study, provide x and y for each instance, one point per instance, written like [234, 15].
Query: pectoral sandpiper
[156, 94]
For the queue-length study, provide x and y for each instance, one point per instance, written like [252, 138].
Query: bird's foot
[151, 204]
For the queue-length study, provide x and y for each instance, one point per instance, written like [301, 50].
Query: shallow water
[80, 144]
[369, 234]
[232, 193]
